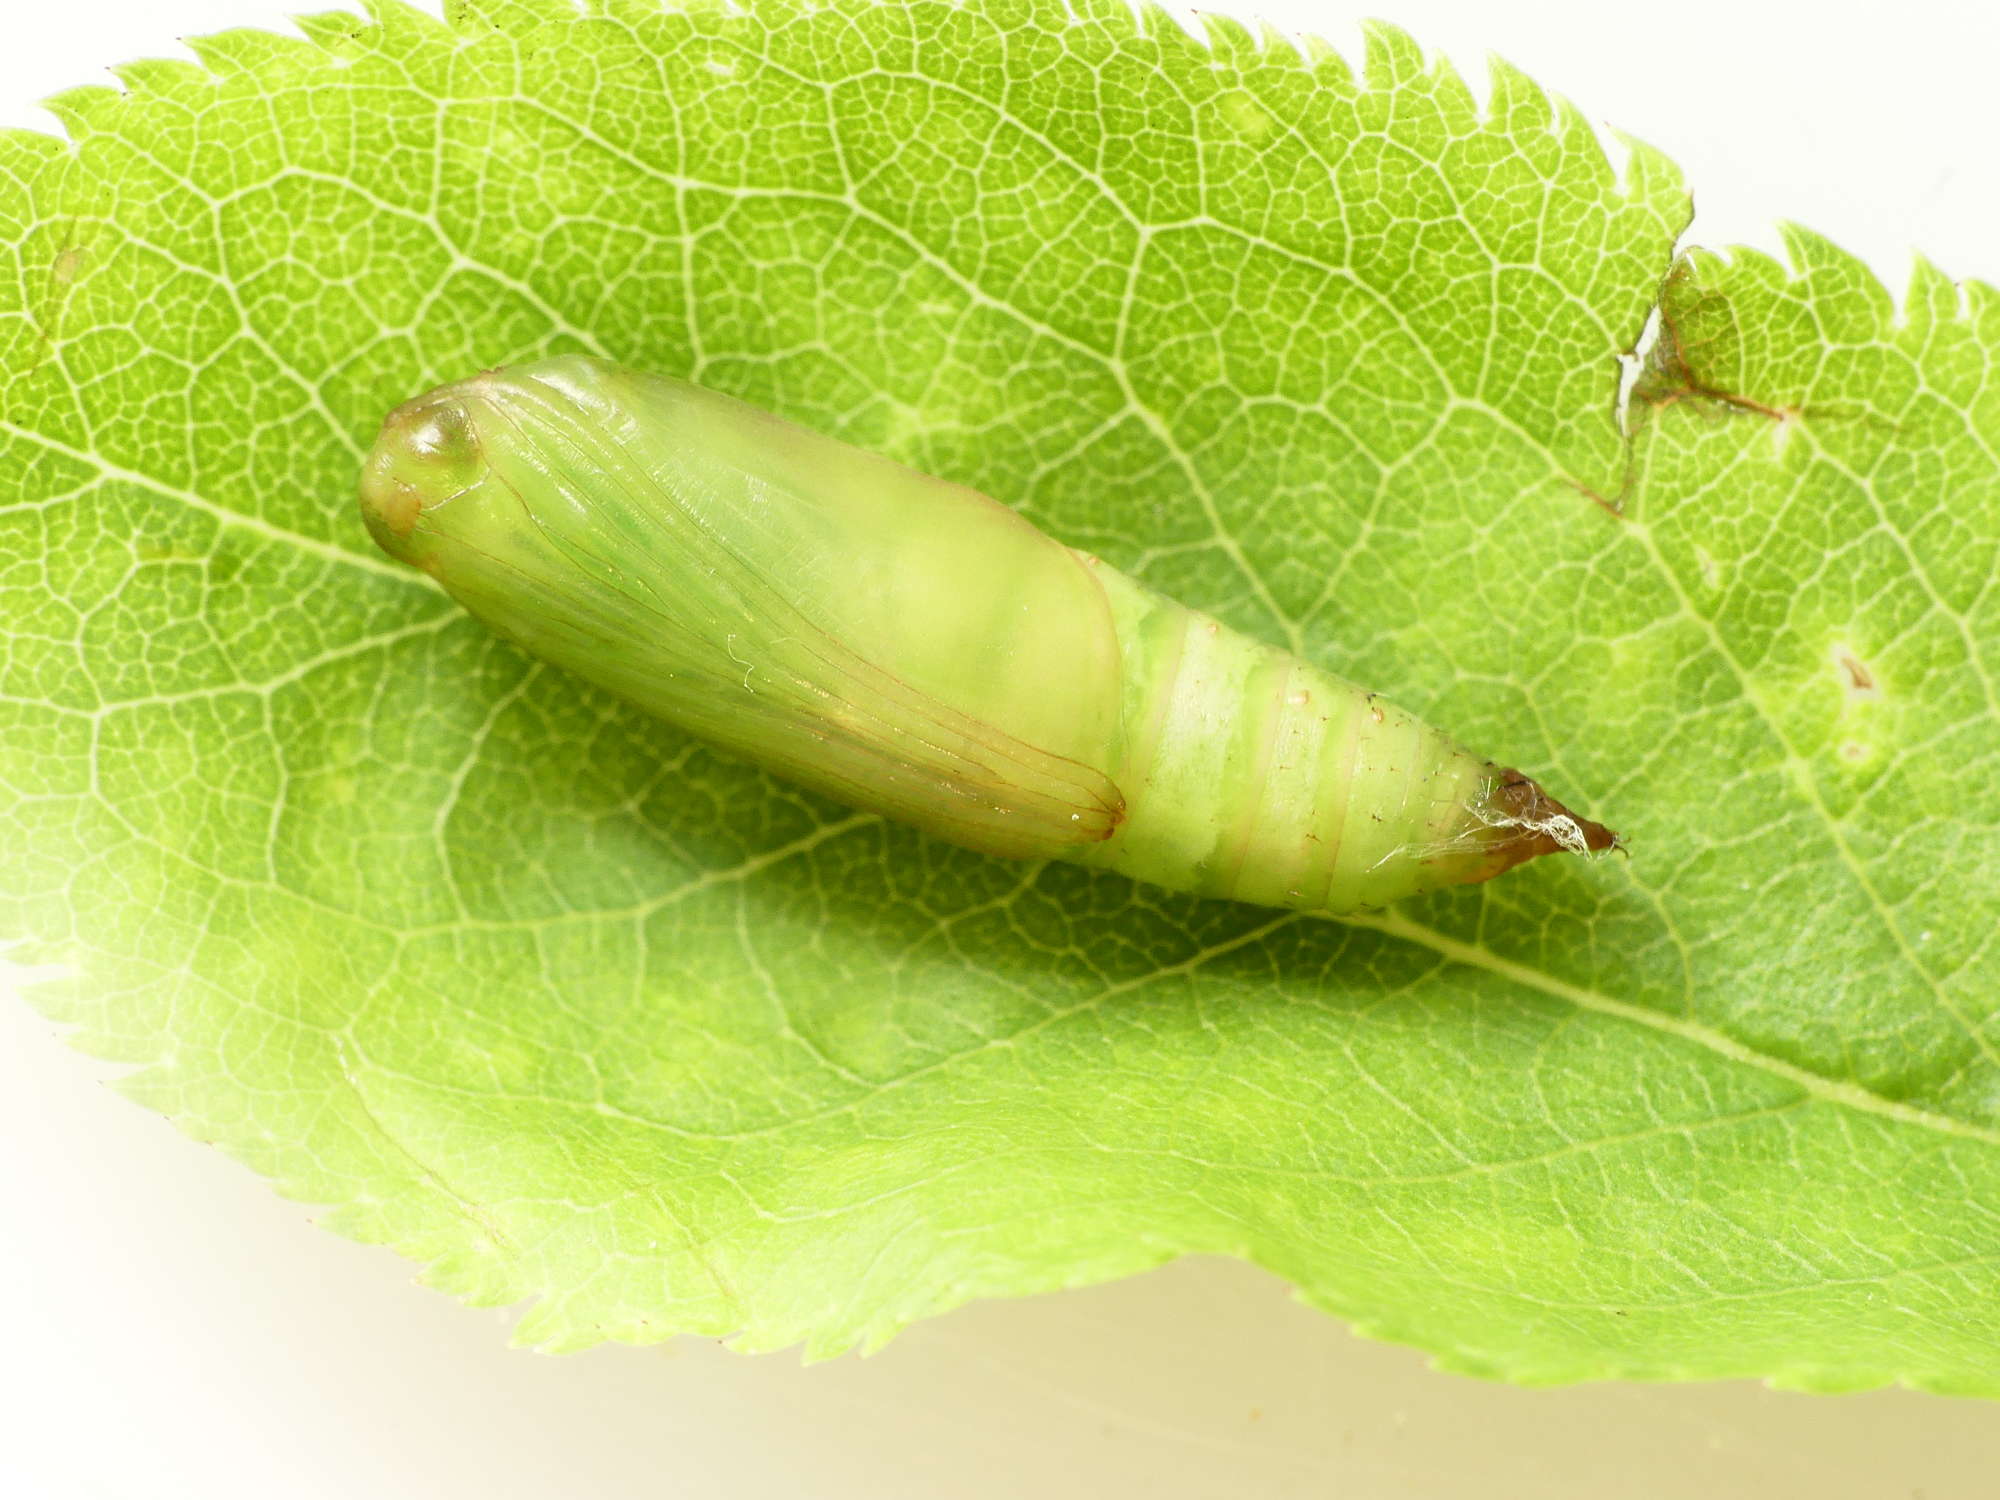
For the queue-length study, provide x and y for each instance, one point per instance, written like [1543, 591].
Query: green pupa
[910, 647]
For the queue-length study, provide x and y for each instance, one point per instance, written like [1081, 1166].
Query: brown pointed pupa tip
[1531, 823]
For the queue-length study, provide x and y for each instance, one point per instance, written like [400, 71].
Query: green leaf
[574, 1011]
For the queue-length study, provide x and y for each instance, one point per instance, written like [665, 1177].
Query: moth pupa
[911, 647]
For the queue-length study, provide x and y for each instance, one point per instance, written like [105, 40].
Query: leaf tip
[156, 75]
[81, 110]
[399, 18]
[1389, 55]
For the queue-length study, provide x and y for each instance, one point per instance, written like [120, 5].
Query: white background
[173, 1329]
